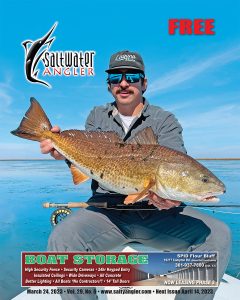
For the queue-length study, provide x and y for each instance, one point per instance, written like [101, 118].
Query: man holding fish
[132, 171]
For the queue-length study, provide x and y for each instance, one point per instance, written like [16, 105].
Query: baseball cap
[126, 59]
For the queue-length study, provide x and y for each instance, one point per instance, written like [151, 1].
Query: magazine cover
[119, 150]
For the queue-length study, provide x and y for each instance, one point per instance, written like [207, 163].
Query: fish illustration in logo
[32, 57]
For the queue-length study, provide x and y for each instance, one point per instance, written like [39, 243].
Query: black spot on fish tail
[101, 175]
[136, 189]
[91, 172]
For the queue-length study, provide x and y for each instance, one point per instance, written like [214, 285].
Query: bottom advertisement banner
[118, 269]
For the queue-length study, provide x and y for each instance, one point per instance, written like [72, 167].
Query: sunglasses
[130, 77]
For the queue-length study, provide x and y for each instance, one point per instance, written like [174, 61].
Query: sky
[195, 77]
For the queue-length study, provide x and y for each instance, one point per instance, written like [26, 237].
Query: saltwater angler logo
[54, 63]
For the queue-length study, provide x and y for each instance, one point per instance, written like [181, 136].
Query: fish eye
[205, 178]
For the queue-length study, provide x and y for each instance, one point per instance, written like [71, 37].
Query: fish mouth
[210, 197]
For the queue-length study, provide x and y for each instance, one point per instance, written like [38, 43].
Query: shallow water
[25, 226]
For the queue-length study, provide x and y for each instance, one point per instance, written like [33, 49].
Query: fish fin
[95, 136]
[145, 136]
[130, 199]
[49, 42]
[78, 176]
[34, 123]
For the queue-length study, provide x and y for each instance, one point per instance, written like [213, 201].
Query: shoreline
[226, 158]
[51, 159]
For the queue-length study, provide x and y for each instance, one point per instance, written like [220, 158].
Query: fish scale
[114, 167]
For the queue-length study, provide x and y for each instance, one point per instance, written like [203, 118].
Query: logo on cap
[126, 57]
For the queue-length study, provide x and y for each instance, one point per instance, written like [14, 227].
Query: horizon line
[51, 159]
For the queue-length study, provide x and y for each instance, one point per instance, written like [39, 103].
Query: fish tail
[34, 123]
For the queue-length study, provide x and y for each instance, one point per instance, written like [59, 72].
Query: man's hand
[160, 202]
[46, 146]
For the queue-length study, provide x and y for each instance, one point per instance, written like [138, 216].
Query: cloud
[5, 98]
[226, 116]
[188, 72]
[213, 133]
[7, 95]
[180, 105]
[10, 104]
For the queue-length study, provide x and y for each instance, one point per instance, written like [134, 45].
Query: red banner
[82, 269]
